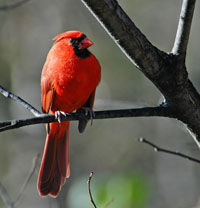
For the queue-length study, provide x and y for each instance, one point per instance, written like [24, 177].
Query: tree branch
[13, 5]
[163, 111]
[184, 26]
[89, 190]
[126, 35]
[12, 96]
[167, 71]
[159, 149]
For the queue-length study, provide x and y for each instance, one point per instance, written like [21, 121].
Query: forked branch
[166, 70]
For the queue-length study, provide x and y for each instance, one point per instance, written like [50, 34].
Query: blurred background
[126, 173]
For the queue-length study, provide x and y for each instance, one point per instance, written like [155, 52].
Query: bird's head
[76, 39]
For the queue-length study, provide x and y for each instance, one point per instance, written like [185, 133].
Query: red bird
[69, 79]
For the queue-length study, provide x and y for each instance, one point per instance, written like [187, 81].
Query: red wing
[89, 104]
[48, 93]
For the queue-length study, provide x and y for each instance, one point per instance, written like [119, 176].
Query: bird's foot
[58, 116]
[89, 111]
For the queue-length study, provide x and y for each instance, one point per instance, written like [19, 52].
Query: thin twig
[159, 149]
[89, 190]
[13, 5]
[183, 31]
[163, 111]
[5, 197]
[26, 182]
[28, 106]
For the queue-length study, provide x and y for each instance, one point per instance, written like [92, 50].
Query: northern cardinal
[69, 79]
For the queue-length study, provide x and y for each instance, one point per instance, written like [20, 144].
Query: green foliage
[128, 190]
[116, 191]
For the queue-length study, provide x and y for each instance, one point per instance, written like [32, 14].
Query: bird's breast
[75, 80]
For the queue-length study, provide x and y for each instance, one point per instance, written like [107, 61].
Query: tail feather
[55, 165]
[63, 154]
[56, 182]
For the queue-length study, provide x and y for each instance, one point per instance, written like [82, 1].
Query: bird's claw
[58, 116]
[89, 111]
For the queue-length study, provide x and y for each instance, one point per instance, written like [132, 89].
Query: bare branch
[26, 182]
[167, 71]
[10, 95]
[162, 110]
[13, 5]
[183, 31]
[126, 35]
[89, 190]
[5, 197]
[159, 149]
[48, 118]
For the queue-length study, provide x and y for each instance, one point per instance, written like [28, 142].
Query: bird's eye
[73, 41]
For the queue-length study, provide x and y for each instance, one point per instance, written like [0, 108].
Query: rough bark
[166, 70]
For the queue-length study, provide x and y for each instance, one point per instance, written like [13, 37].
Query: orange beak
[85, 43]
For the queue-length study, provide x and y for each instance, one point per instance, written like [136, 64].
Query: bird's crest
[68, 34]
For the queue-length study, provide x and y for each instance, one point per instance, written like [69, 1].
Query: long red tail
[55, 166]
